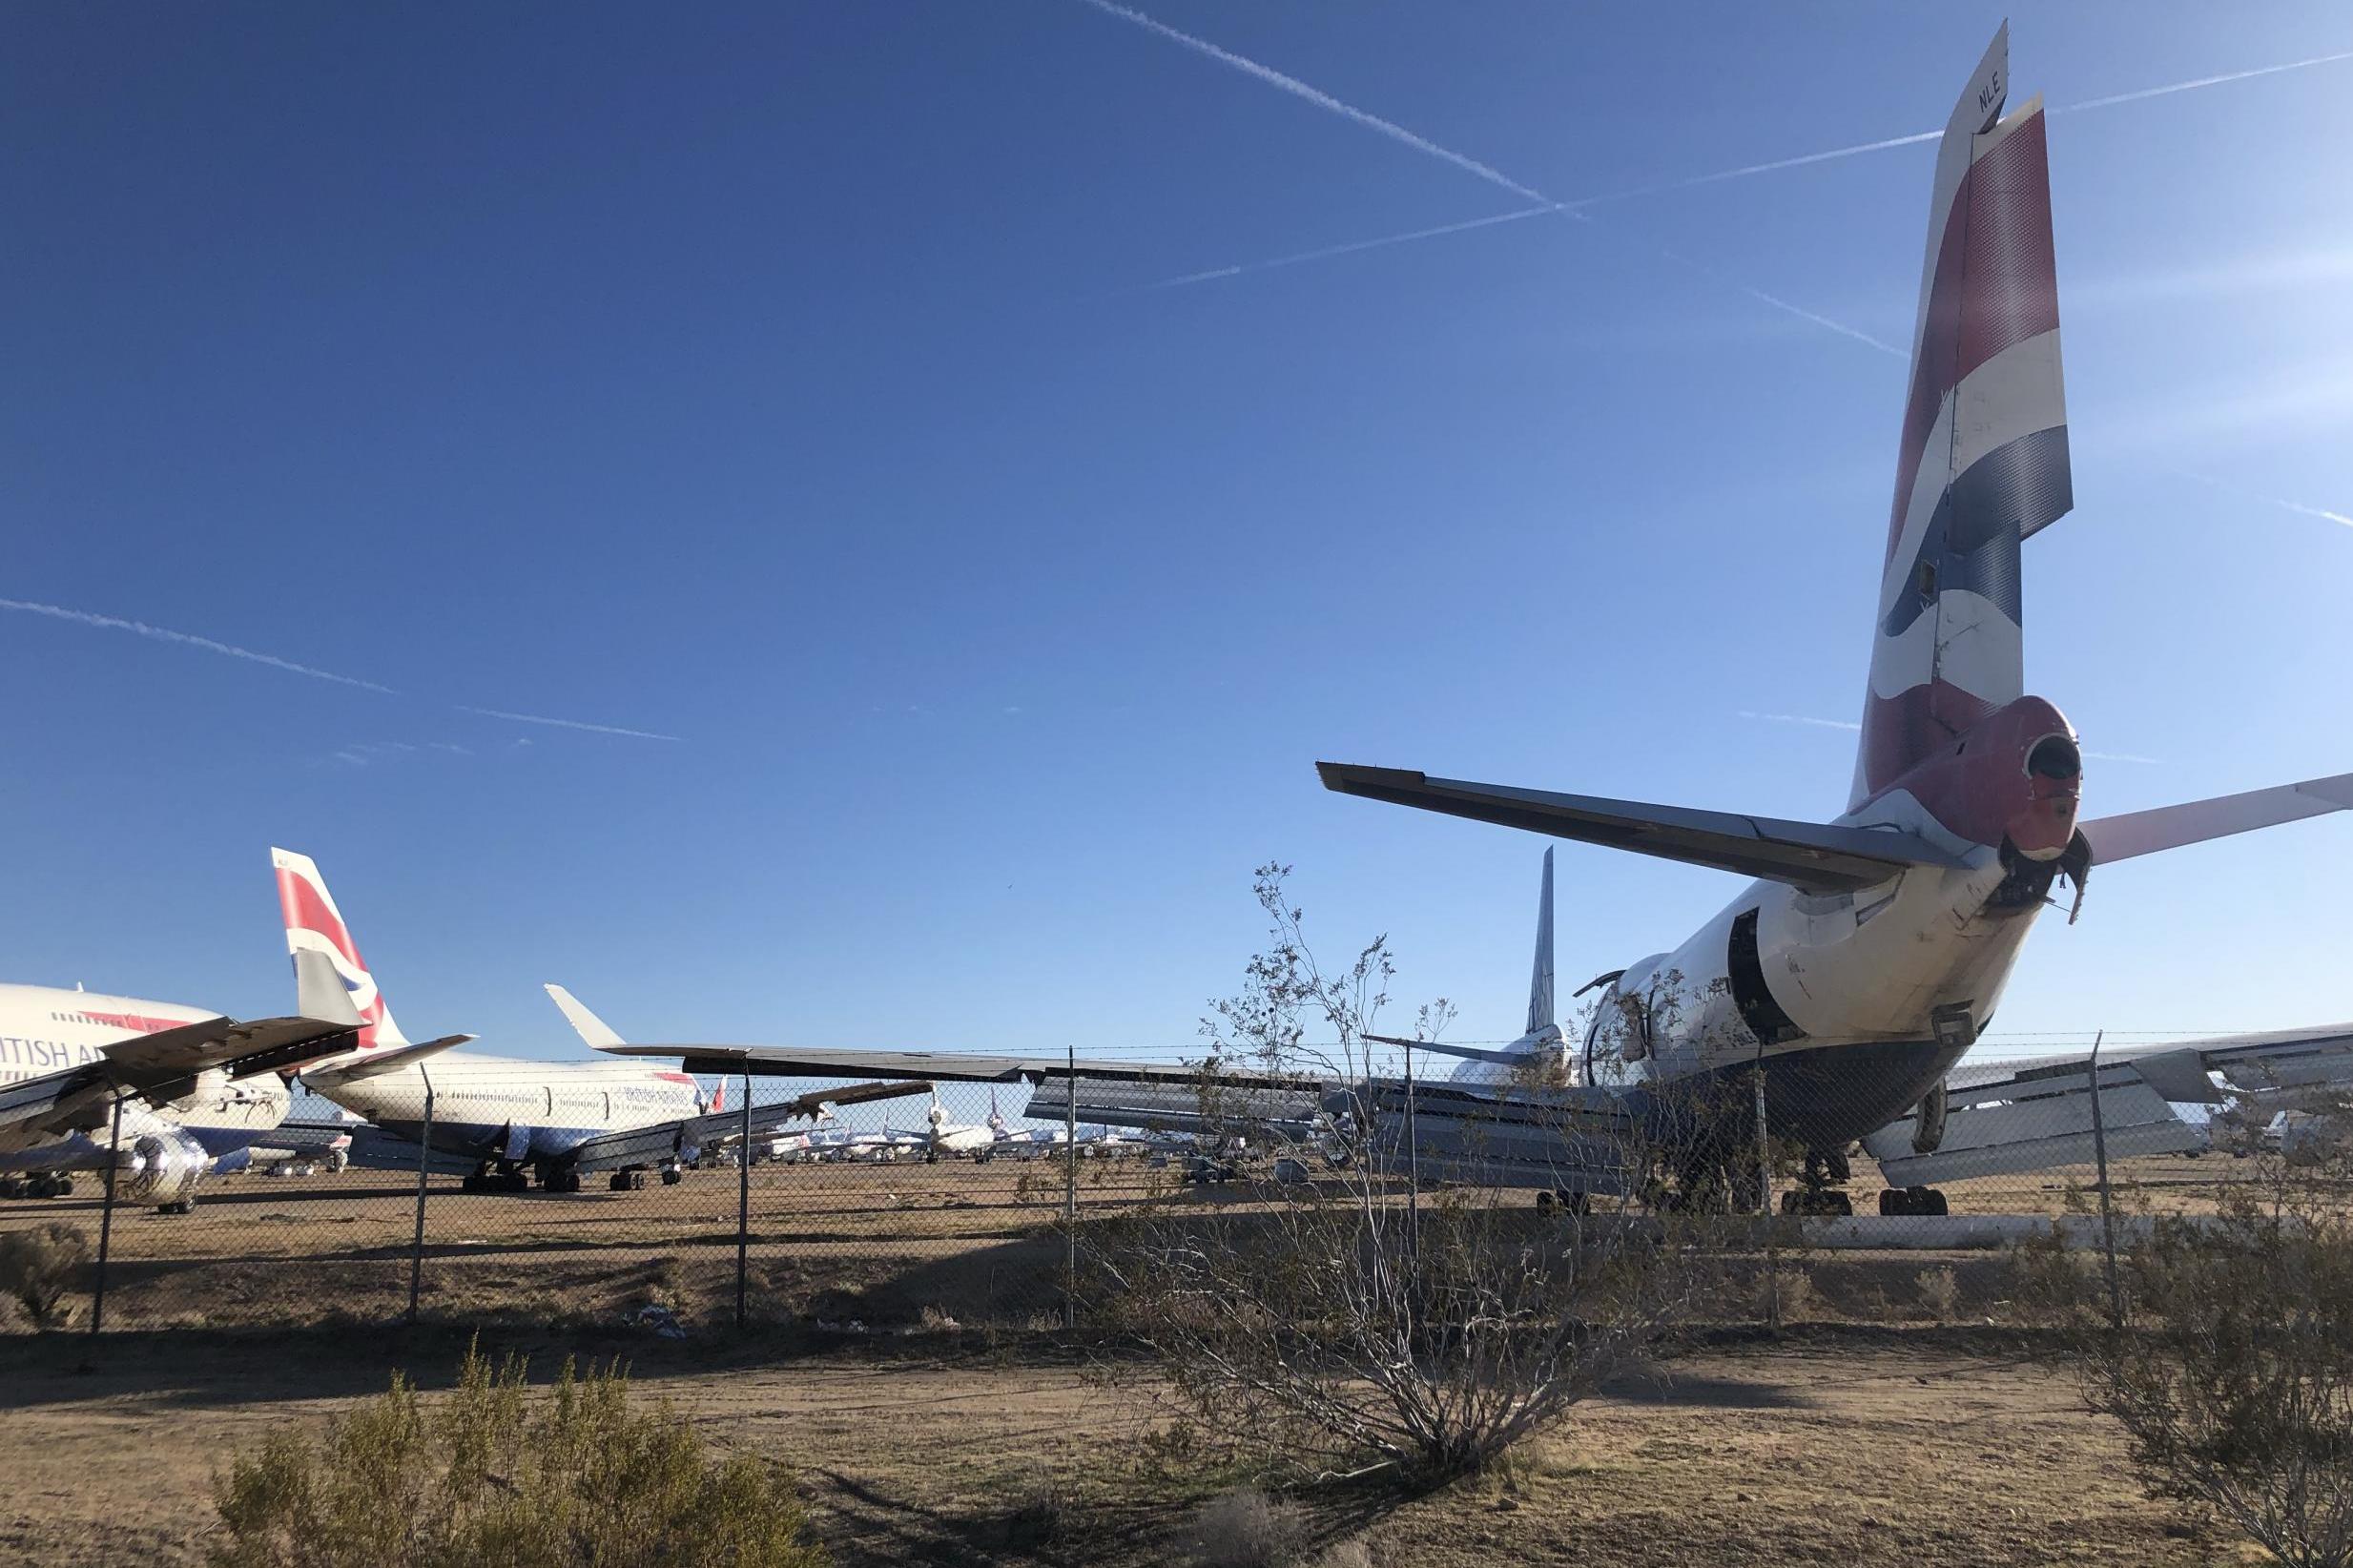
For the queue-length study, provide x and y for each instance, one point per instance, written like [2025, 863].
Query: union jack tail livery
[315, 925]
[1983, 461]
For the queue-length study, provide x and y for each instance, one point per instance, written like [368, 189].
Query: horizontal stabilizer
[377, 1063]
[1812, 857]
[1504, 1058]
[2171, 827]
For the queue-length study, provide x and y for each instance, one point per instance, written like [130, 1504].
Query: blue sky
[792, 381]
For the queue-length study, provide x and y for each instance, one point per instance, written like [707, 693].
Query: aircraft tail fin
[1540, 1016]
[315, 925]
[1983, 460]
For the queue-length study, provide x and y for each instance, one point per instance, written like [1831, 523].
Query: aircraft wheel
[672, 1175]
[185, 1205]
[1894, 1201]
[473, 1181]
[65, 1187]
[1931, 1202]
[12, 1187]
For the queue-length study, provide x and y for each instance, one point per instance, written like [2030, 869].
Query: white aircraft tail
[1983, 462]
[1540, 1015]
[315, 925]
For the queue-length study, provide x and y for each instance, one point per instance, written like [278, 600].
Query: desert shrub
[38, 1264]
[570, 1477]
[1940, 1292]
[2230, 1367]
[1350, 1323]
[1246, 1529]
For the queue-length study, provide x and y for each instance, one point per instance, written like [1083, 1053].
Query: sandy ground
[879, 1244]
[1929, 1448]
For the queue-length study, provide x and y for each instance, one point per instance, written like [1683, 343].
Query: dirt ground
[876, 1244]
[1928, 1449]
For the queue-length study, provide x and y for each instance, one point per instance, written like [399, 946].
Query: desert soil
[1928, 1448]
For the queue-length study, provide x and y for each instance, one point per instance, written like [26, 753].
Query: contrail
[1851, 726]
[2281, 502]
[563, 724]
[1325, 101]
[1745, 171]
[187, 639]
[1321, 99]
[1324, 253]
[2196, 83]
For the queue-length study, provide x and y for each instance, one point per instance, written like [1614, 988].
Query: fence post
[425, 1157]
[2107, 1205]
[106, 1219]
[743, 1201]
[1070, 1195]
[1764, 1201]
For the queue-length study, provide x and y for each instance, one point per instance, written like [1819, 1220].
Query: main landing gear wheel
[629, 1181]
[185, 1205]
[1824, 1170]
[1924, 1202]
[671, 1176]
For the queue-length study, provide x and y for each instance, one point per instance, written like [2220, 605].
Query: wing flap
[1816, 858]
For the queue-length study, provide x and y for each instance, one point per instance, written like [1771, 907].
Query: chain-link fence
[947, 1205]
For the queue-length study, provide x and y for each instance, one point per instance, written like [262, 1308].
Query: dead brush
[39, 1265]
[1246, 1529]
[567, 1477]
[1940, 1292]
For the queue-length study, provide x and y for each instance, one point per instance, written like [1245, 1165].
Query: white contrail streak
[2192, 85]
[2260, 497]
[1321, 99]
[187, 639]
[1801, 718]
[1326, 252]
[1851, 726]
[1325, 101]
[563, 724]
[1745, 171]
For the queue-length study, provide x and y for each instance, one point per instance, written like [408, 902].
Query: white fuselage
[510, 1108]
[47, 1029]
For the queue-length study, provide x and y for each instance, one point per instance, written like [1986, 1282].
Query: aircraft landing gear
[184, 1206]
[672, 1175]
[631, 1180]
[41, 1184]
[500, 1176]
[1825, 1171]
[1567, 1201]
[1913, 1201]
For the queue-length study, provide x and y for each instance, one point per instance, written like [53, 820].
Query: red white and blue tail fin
[1983, 461]
[315, 925]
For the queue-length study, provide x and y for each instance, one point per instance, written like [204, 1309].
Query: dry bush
[1246, 1529]
[1348, 1323]
[2231, 1368]
[570, 1477]
[38, 1264]
[1940, 1292]
[1785, 1294]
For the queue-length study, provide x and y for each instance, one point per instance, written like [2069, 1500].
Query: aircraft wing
[671, 1139]
[1563, 1138]
[2035, 1114]
[943, 1067]
[1813, 857]
[164, 1065]
[2172, 827]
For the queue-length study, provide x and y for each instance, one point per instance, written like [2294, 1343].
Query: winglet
[587, 1025]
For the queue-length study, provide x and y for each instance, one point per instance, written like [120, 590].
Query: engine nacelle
[160, 1167]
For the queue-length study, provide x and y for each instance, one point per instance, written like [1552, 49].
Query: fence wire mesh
[945, 1208]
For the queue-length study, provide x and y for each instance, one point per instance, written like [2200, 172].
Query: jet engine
[160, 1167]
